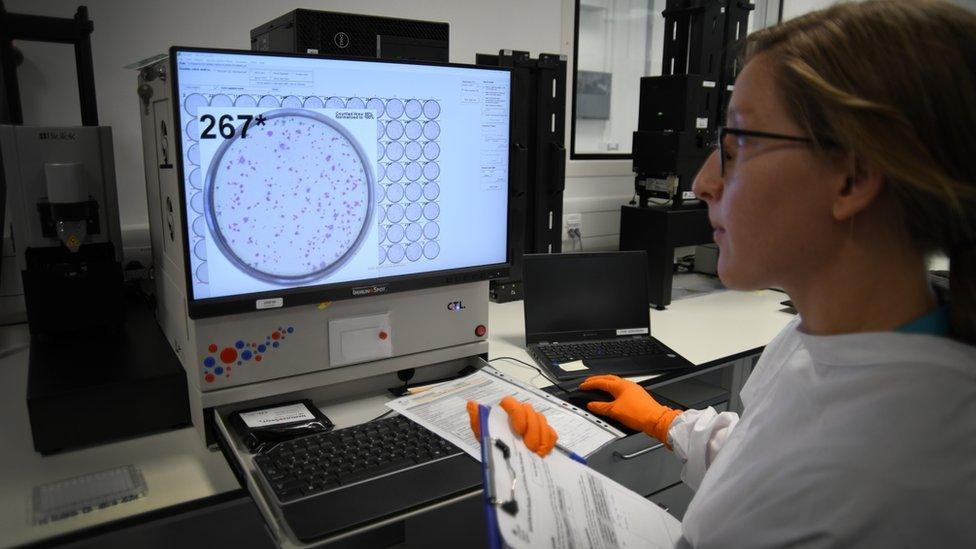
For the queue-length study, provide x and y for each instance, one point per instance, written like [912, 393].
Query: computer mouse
[580, 398]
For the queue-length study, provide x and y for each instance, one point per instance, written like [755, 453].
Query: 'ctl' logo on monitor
[455, 306]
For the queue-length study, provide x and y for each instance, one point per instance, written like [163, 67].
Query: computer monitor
[308, 178]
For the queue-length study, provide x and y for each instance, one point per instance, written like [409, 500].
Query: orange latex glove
[532, 426]
[632, 406]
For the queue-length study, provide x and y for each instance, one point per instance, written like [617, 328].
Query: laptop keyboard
[568, 352]
[319, 463]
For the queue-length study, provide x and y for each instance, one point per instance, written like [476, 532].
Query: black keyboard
[611, 348]
[320, 463]
[330, 483]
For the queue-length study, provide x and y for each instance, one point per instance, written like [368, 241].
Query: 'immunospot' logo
[369, 290]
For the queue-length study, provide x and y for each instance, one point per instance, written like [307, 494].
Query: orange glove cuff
[658, 425]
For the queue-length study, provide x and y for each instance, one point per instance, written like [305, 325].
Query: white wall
[129, 30]
[793, 8]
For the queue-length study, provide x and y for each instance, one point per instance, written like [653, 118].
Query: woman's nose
[708, 183]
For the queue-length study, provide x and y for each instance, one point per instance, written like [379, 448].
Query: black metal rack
[36, 28]
[679, 115]
[537, 162]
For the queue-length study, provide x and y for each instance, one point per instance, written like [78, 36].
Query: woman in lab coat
[848, 158]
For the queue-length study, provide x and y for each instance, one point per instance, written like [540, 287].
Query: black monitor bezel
[241, 303]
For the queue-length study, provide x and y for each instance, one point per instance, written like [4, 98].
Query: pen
[571, 454]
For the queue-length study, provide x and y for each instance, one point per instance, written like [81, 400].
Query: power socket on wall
[573, 221]
[573, 225]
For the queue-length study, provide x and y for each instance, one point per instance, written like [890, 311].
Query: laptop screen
[585, 295]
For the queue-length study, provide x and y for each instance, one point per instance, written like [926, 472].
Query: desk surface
[178, 468]
[176, 465]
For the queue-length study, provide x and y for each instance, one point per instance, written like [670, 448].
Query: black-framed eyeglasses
[724, 131]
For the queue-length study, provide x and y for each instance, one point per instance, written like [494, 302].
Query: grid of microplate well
[408, 135]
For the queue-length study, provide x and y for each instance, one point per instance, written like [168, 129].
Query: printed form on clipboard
[441, 408]
[558, 502]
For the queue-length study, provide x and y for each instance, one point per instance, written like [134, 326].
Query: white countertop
[176, 465]
[178, 468]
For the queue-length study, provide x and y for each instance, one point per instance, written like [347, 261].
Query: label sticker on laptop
[274, 416]
[573, 366]
[631, 331]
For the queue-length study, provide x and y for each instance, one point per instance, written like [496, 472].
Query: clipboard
[522, 513]
[494, 536]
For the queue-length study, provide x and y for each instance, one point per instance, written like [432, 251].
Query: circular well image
[432, 109]
[291, 102]
[413, 108]
[394, 108]
[413, 129]
[292, 228]
[376, 105]
[414, 191]
[432, 130]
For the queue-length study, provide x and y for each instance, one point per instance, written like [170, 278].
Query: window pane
[616, 46]
[617, 42]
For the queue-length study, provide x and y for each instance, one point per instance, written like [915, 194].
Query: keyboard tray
[351, 511]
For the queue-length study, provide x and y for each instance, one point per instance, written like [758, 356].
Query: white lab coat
[865, 440]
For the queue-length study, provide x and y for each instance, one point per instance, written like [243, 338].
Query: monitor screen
[583, 295]
[307, 177]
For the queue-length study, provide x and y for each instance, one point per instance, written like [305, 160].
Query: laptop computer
[588, 314]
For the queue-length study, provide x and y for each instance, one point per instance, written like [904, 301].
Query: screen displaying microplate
[302, 171]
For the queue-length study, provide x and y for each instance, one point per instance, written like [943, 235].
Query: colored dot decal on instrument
[291, 202]
[228, 355]
[252, 351]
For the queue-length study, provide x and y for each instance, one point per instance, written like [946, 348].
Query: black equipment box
[670, 152]
[58, 283]
[676, 102]
[91, 390]
[345, 34]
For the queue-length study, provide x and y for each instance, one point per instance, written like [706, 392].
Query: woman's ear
[858, 191]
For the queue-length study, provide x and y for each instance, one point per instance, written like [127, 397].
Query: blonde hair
[894, 83]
